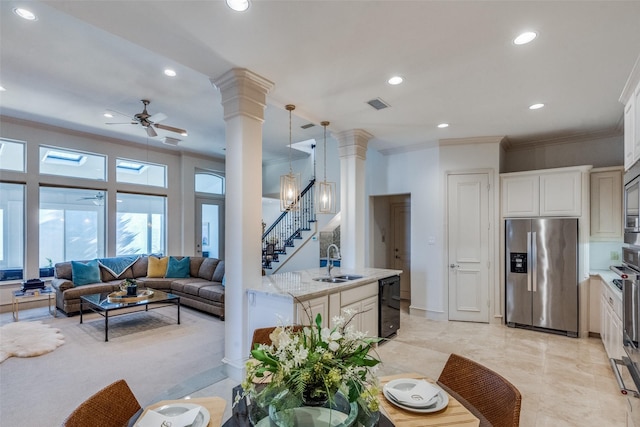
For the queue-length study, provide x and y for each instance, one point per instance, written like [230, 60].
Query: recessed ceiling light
[108, 115]
[238, 5]
[535, 106]
[525, 37]
[443, 125]
[395, 80]
[25, 14]
[169, 72]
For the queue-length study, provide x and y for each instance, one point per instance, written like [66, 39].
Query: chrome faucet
[329, 259]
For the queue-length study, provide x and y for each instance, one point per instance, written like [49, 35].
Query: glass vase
[285, 411]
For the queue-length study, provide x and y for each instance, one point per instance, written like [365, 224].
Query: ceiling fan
[149, 121]
[97, 198]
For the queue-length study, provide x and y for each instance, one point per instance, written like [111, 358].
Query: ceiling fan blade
[150, 131]
[118, 112]
[157, 117]
[171, 129]
[123, 123]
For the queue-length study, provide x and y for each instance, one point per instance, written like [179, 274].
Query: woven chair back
[113, 406]
[489, 393]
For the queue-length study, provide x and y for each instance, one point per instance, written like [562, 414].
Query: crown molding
[566, 139]
[631, 84]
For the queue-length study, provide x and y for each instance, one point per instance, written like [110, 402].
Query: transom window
[12, 155]
[71, 163]
[137, 172]
[210, 182]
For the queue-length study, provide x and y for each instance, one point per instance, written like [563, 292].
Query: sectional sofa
[203, 289]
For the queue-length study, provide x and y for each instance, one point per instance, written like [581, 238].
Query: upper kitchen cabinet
[606, 204]
[630, 97]
[549, 192]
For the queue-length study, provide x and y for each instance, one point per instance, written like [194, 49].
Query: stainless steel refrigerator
[542, 274]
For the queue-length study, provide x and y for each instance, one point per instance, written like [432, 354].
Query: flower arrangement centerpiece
[312, 364]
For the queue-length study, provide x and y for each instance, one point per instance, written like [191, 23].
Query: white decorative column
[244, 97]
[352, 147]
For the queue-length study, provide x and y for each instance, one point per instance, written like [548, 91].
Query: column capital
[353, 143]
[243, 93]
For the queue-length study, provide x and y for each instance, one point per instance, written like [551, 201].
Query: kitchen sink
[349, 277]
[330, 279]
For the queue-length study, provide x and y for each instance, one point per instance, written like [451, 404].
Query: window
[71, 224]
[12, 155]
[76, 164]
[209, 182]
[135, 172]
[141, 224]
[11, 231]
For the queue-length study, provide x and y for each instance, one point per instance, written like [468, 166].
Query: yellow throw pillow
[157, 266]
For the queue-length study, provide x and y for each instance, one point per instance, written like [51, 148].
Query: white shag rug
[27, 339]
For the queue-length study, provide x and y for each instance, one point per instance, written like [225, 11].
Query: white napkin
[155, 419]
[420, 395]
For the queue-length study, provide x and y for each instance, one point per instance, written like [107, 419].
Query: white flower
[331, 338]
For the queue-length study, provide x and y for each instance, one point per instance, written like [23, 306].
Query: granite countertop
[300, 284]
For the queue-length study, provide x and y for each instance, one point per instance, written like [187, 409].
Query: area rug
[28, 339]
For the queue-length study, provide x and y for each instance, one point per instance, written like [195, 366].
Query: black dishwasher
[389, 306]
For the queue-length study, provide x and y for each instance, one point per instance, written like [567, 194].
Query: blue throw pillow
[84, 274]
[178, 268]
[224, 280]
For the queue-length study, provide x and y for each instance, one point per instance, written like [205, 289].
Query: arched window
[210, 183]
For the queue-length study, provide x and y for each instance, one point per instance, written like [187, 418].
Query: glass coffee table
[106, 304]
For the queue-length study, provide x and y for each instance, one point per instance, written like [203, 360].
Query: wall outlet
[615, 255]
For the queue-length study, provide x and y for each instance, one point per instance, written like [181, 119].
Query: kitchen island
[296, 298]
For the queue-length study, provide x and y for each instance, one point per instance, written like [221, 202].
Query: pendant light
[290, 183]
[325, 191]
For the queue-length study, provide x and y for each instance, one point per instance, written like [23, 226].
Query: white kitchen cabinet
[561, 194]
[611, 323]
[630, 98]
[630, 155]
[606, 204]
[364, 300]
[308, 310]
[521, 196]
[549, 192]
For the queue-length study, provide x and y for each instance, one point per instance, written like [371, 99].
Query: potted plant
[130, 286]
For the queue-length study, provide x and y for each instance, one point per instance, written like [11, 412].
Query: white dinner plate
[173, 409]
[439, 402]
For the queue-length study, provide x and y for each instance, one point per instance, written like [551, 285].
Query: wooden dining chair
[113, 406]
[495, 398]
[261, 335]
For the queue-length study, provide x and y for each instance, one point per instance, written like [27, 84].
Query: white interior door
[401, 222]
[210, 234]
[468, 239]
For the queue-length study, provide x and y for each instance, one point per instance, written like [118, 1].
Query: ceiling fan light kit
[289, 183]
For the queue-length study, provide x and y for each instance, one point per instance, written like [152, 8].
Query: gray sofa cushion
[207, 268]
[212, 293]
[218, 275]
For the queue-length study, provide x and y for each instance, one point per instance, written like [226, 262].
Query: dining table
[215, 406]
[453, 415]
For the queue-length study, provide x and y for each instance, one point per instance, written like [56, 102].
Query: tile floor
[564, 381]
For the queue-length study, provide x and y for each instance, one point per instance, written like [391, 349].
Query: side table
[19, 297]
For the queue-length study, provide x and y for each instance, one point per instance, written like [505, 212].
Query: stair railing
[290, 224]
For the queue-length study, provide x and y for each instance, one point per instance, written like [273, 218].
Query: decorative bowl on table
[122, 296]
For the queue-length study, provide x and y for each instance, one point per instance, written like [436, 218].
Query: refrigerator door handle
[534, 261]
[529, 261]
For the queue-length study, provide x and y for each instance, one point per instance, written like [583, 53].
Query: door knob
[453, 266]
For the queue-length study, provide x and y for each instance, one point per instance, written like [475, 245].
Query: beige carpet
[28, 339]
[147, 349]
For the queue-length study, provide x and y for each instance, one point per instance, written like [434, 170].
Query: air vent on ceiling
[378, 104]
[171, 141]
[307, 126]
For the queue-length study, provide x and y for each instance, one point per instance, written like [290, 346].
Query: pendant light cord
[325, 124]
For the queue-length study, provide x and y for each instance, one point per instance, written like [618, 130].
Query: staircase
[289, 232]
